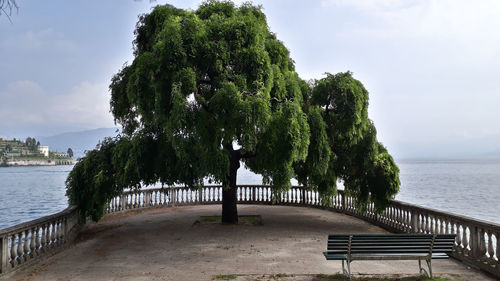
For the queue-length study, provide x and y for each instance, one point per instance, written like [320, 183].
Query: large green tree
[212, 88]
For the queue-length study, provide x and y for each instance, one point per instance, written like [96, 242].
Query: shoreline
[36, 162]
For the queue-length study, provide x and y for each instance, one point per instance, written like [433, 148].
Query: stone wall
[29, 162]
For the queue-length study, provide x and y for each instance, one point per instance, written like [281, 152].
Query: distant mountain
[78, 141]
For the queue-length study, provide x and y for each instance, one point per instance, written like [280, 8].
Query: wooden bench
[350, 247]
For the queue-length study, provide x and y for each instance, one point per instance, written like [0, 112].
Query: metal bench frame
[426, 251]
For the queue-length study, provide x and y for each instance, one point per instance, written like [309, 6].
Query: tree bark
[229, 192]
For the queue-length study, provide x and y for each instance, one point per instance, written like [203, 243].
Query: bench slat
[390, 245]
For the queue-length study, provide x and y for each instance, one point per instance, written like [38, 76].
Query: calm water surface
[468, 187]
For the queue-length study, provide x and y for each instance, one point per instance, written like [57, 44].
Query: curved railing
[27, 242]
[477, 242]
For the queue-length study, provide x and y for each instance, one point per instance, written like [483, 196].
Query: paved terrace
[169, 244]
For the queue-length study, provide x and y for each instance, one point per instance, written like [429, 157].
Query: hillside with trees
[29, 152]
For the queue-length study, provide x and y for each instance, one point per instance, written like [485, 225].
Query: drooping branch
[7, 6]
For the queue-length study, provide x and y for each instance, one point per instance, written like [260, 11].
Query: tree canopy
[212, 88]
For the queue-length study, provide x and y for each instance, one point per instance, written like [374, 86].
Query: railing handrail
[424, 209]
[436, 212]
[32, 223]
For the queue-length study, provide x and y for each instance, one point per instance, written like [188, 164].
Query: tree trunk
[229, 193]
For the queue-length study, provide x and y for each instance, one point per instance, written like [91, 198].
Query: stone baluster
[459, 236]
[497, 235]
[145, 198]
[19, 253]
[482, 244]
[52, 235]
[469, 241]
[65, 229]
[398, 218]
[32, 242]
[122, 202]
[37, 240]
[491, 251]
[427, 221]
[42, 239]
[473, 241]
[392, 213]
[421, 223]
[4, 253]
[26, 245]
[56, 233]
[60, 239]
[13, 250]
[434, 224]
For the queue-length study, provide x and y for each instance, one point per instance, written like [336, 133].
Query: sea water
[469, 187]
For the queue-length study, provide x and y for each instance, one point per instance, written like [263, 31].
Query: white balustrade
[477, 242]
[27, 242]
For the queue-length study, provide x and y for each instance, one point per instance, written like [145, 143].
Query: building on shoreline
[44, 149]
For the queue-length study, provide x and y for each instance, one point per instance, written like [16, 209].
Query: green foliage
[31, 143]
[366, 168]
[70, 152]
[226, 276]
[214, 86]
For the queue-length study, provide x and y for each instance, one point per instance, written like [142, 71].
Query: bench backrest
[390, 243]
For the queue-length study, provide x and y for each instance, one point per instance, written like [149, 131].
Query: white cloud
[443, 20]
[26, 104]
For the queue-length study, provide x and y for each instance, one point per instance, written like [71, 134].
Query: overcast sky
[432, 67]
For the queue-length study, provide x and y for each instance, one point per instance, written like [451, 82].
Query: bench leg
[348, 271]
[422, 270]
[429, 265]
